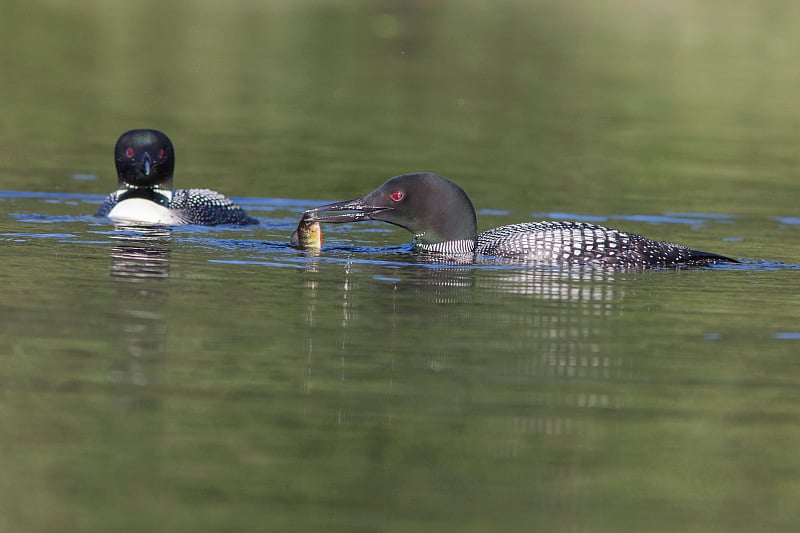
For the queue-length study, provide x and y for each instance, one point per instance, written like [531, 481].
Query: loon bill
[442, 218]
[145, 161]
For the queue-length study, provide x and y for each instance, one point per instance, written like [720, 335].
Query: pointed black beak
[347, 211]
[144, 165]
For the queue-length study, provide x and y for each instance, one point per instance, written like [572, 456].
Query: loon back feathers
[207, 207]
[580, 243]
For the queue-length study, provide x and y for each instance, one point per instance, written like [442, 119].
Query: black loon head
[433, 208]
[144, 159]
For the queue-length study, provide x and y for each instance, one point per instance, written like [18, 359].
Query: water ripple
[787, 335]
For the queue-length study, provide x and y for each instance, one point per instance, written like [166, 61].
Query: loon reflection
[550, 335]
[144, 253]
[140, 263]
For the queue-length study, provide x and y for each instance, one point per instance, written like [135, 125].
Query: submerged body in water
[145, 161]
[442, 218]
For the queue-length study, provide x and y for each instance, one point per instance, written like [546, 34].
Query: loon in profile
[441, 216]
[145, 162]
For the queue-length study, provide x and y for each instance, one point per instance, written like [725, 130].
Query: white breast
[145, 211]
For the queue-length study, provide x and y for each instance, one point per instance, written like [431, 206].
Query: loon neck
[455, 247]
[154, 194]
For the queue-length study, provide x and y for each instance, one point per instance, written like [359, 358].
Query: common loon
[441, 216]
[145, 162]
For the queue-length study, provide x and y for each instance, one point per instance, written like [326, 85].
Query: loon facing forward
[145, 162]
[441, 216]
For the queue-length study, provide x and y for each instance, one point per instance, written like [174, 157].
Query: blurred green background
[588, 106]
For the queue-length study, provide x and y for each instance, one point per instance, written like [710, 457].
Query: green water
[207, 379]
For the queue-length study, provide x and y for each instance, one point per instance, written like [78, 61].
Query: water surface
[200, 379]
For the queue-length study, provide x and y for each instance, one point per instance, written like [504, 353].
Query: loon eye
[129, 152]
[396, 196]
[161, 153]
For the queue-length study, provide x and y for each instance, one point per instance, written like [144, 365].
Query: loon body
[145, 161]
[442, 218]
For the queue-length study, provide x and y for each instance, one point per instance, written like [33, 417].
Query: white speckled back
[580, 243]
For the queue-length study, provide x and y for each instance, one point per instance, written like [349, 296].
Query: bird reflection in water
[548, 333]
[142, 252]
[140, 261]
[583, 285]
[562, 346]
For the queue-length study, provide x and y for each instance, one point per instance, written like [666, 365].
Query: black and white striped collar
[154, 194]
[449, 248]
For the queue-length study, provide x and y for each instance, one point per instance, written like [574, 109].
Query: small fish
[307, 236]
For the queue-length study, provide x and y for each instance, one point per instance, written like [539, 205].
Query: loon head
[144, 159]
[430, 206]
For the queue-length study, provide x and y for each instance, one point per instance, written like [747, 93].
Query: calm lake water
[214, 379]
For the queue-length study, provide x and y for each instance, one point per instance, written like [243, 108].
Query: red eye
[129, 152]
[161, 153]
[396, 196]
